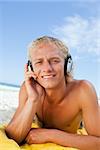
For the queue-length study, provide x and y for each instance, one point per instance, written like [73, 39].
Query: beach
[8, 103]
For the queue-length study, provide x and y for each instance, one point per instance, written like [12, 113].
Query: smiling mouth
[48, 76]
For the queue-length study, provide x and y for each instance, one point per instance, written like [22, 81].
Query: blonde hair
[47, 39]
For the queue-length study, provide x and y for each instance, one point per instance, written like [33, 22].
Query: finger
[34, 75]
[31, 74]
[26, 68]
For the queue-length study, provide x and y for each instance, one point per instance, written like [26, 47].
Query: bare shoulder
[86, 87]
[83, 86]
[87, 92]
[88, 103]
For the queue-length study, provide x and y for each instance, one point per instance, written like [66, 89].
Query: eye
[55, 60]
[38, 62]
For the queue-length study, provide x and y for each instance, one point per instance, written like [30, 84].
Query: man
[59, 101]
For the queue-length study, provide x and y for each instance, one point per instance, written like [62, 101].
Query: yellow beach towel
[9, 144]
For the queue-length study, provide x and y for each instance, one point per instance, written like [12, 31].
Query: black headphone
[68, 64]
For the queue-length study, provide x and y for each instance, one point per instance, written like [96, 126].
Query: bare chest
[65, 116]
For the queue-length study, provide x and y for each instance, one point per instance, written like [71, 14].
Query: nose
[47, 67]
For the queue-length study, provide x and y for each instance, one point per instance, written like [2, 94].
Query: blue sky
[76, 22]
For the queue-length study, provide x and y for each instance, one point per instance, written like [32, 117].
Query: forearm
[82, 142]
[20, 126]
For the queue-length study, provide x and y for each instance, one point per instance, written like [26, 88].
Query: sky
[76, 22]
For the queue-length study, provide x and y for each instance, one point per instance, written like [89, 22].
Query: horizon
[9, 84]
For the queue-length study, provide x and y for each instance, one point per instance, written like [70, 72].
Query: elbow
[14, 134]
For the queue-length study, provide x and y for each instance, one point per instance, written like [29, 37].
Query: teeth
[46, 77]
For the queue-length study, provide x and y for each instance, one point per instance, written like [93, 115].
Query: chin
[49, 85]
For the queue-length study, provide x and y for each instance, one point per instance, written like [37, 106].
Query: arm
[20, 124]
[90, 109]
[91, 115]
[82, 142]
[29, 95]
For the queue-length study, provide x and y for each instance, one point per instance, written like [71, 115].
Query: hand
[34, 90]
[38, 136]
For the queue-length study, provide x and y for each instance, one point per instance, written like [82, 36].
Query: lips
[47, 76]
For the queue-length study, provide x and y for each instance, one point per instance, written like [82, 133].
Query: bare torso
[65, 115]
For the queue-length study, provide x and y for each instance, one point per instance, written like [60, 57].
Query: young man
[59, 101]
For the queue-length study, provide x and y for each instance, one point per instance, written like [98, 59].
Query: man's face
[48, 64]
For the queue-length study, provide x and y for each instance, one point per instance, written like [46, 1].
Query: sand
[8, 103]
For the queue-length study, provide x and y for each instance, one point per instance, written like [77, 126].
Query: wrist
[51, 135]
[32, 100]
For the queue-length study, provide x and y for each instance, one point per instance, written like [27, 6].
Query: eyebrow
[54, 58]
[49, 58]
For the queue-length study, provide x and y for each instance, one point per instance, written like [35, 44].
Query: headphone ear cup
[30, 65]
[65, 66]
[68, 64]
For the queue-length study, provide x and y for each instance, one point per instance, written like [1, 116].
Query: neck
[56, 95]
